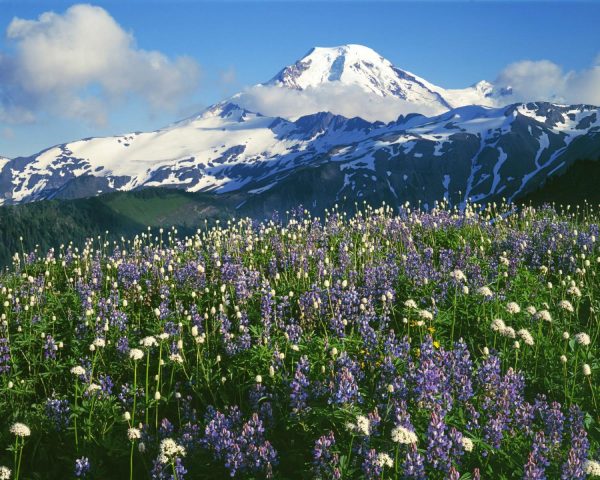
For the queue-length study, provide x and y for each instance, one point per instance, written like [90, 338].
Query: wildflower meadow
[388, 344]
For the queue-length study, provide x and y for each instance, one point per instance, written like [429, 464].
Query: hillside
[52, 223]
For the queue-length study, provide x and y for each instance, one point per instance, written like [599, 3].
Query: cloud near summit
[79, 63]
[347, 100]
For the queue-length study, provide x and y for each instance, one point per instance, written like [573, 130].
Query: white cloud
[79, 63]
[347, 100]
[544, 80]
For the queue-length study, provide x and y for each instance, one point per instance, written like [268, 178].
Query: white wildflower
[20, 430]
[148, 342]
[363, 425]
[544, 315]
[384, 460]
[404, 435]
[574, 291]
[592, 468]
[467, 444]
[136, 354]
[566, 306]
[169, 449]
[176, 358]
[531, 310]
[410, 303]
[99, 343]
[526, 336]
[485, 292]
[587, 371]
[458, 275]
[5, 473]
[513, 308]
[498, 325]
[582, 339]
[563, 359]
[78, 370]
[134, 434]
[425, 315]
[508, 332]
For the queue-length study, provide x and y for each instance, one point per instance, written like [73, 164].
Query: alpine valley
[474, 145]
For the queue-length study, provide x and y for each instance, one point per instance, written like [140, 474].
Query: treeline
[49, 224]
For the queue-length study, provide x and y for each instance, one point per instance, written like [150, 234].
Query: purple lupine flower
[242, 448]
[82, 467]
[461, 369]
[299, 386]
[537, 461]
[165, 429]
[123, 345]
[429, 378]
[413, 466]
[371, 466]
[58, 411]
[50, 348]
[4, 355]
[438, 443]
[260, 401]
[453, 474]
[574, 467]
[325, 460]
[344, 388]
[553, 418]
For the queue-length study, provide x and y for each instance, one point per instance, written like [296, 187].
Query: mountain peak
[348, 64]
[358, 66]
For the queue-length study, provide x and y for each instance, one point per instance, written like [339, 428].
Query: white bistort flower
[566, 306]
[544, 315]
[574, 291]
[458, 275]
[467, 444]
[148, 342]
[526, 336]
[410, 303]
[362, 426]
[582, 339]
[425, 315]
[134, 434]
[513, 308]
[403, 435]
[592, 468]
[20, 430]
[498, 325]
[5, 473]
[169, 449]
[136, 354]
[78, 370]
[485, 292]
[176, 358]
[384, 460]
[531, 310]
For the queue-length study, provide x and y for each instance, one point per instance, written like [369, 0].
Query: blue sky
[237, 44]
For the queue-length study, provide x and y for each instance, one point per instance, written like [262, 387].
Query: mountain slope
[483, 153]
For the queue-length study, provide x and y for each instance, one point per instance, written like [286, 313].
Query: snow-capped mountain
[357, 65]
[470, 152]
[265, 162]
[3, 161]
